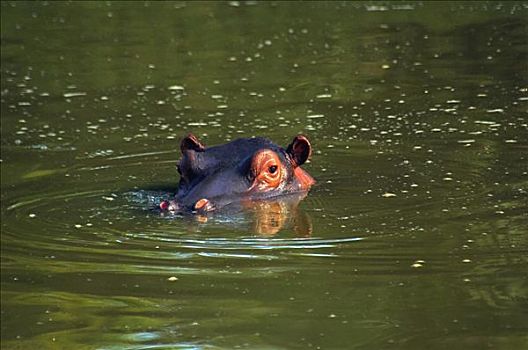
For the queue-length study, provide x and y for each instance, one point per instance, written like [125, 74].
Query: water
[414, 237]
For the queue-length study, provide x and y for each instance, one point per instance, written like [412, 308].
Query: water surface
[415, 235]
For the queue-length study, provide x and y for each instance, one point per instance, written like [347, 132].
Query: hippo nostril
[203, 205]
[169, 205]
[164, 205]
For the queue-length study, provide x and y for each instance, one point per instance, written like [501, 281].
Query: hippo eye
[266, 170]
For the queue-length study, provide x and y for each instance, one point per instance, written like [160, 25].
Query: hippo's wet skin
[239, 171]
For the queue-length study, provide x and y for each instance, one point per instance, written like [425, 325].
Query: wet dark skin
[242, 170]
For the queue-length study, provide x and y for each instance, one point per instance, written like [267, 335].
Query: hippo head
[242, 170]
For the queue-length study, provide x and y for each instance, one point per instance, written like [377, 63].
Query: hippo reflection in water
[245, 170]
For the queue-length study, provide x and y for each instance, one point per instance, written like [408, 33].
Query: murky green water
[414, 237]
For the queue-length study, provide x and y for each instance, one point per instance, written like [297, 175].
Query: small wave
[263, 244]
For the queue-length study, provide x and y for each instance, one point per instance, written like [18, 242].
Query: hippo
[239, 171]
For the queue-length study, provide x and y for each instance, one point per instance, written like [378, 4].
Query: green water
[414, 237]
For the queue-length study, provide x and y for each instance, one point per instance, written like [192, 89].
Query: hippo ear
[299, 150]
[191, 142]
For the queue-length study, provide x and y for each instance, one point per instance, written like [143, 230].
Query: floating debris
[74, 94]
[497, 110]
[388, 195]
[172, 279]
[376, 8]
[418, 263]
[466, 141]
